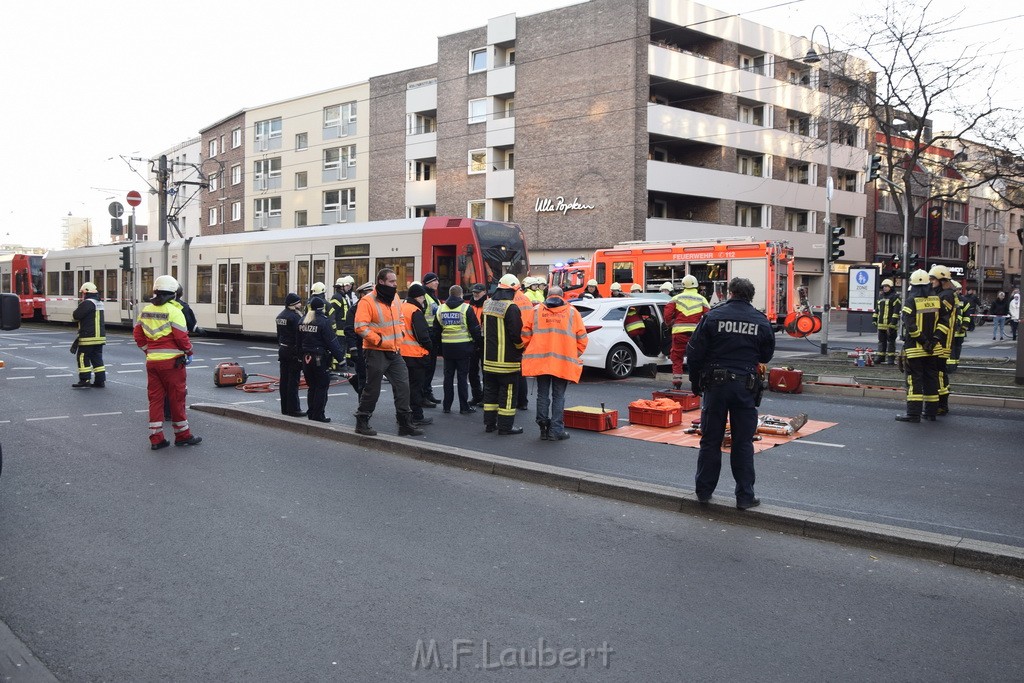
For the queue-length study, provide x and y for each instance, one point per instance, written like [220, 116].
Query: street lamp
[812, 57]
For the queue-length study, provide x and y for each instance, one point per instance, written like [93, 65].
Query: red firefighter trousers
[166, 378]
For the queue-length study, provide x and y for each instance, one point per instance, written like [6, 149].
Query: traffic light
[126, 258]
[875, 169]
[897, 261]
[116, 227]
[835, 245]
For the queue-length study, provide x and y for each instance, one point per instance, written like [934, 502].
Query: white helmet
[956, 284]
[165, 283]
[346, 280]
[635, 287]
[591, 282]
[689, 282]
[887, 283]
[509, 281]
[616, 287]
[666, 286]
[88, 288]
[318, 288]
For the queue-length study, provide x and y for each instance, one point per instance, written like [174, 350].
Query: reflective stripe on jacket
[161, 332]
[921, 315]
[685, 311]
[887, 312]
[454, 326]
[91, 323]
[381, 326]
[503, 343]
[555, 339]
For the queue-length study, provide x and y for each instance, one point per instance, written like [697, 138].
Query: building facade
[185, 189]
[222, 166]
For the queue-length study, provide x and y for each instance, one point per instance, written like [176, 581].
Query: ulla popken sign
[559, 205]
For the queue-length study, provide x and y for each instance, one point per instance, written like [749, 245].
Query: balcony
[501, 81]
[421, 193]
[500, 184]
[501, 132]
[421, 146]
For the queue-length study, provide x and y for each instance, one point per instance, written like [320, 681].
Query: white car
[609, 347]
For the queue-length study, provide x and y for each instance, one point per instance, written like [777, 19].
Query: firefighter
[726, 352]
[319, 343]
[960, 329]
[886, 318]
[634, 324]
[503, 354]
[337, 311]
[923, 329]
[555, 339]
[92, 335]
[289, 355]
[636, 290]
[160, 332]
[416, 349]
[617, 290]
[941, 281]
[535, 290]
[666, 288]
[525, 309]
[317, 291]
[358, 379]
[590, 291]
[682, 314]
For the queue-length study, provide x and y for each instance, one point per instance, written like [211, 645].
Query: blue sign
[862, 277]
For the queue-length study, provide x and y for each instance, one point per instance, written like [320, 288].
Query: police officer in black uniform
[723, 355]
[319, 343]
[289, 355]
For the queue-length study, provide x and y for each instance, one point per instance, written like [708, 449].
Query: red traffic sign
[134, 198]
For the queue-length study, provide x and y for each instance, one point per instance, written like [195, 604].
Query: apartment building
[223, 157]
[609, 121]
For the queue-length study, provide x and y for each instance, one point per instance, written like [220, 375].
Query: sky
[87, 83]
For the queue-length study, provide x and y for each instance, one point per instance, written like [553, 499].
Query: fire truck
[768, 264]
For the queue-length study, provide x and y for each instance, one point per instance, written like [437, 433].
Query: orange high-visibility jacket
[380, 326]
[411, 346]
[555, 339]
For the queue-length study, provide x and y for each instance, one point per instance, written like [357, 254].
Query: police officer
[456, 332]
[92, 335]
[289, 355]
[318, 343]
[724, 355]
[924, 322]
[886, 318]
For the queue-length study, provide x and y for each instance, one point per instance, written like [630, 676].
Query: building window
[420, 170]
[476, 208]
[267, 174]
[417, 124]
[301, 182]
[337, 199]
[214, 182]
[268, 134]
[339, 119]
[950, 249]
[850, 224]
[886, 204]
[477, 161]
[752, 64]
[750, 164]
[478, 110]
[510, 56]
[478, 60]
[954, 211]
[846, 180]
[213, 216]
[236, 174]
[340, 159]
[300, 219]
[800, 125]
[799, 76]
[267, 213]
[236, 138]
[798, 173]
[797, 221]
[236, 211]
[752, 114]
[301, 141]
[213, 148]
[749, 215]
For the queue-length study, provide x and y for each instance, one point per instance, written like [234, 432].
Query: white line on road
[248, 356]
[55, 417]
[258, 348]
[141, 363]
[125, 372]
[242, 403]
[144, 410]
[208, 343]
[262, 362]
[100, 414]
[5, 422]
[67, 374]
[819, 443]
[222, 358]
[27, 377]
[341, 394]
[198, 367]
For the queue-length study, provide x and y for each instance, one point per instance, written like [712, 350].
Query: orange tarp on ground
[675, 436]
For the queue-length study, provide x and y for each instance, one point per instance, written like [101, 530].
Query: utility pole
[162, 177]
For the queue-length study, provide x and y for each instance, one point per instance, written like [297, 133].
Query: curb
[954, 550]
[17, 663]
[899, 393]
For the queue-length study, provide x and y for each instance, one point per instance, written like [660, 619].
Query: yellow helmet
[919, 277]
[635, 287]
[508, 281]
[939, 272]
[956, 284]
[887, 283]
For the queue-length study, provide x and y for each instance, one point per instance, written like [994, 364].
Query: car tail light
[592, 328]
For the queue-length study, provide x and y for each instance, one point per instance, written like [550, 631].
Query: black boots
[363, 426]
[913, 413]
[545, 429]
[405, 427]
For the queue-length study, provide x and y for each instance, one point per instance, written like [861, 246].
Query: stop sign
[134, 198]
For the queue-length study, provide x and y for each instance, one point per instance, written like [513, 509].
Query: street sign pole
[134, 199]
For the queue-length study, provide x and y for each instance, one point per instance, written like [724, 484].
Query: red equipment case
[590, 418]
[786, 380]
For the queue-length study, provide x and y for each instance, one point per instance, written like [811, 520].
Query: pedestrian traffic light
[897, 261]
[126, 258]
[835, 246]
[116, 227]
[874, 170]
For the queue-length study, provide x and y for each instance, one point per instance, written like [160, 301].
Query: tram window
[53, 283]
[112, 285]
[404, 267]
[278, 283]
[146, 287]
[67, 283]
[5, 282]
[204, 284]
[83, 275]
[358, 268]
[255, 284]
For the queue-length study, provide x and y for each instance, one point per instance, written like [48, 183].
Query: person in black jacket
[456, 332]
[358, 379]
[416, 350]
[476, 301]
[999, 310]
[319, 344]
[503, 357]
[191, 324]
[289, 355]
[723, 358]
[92, 335]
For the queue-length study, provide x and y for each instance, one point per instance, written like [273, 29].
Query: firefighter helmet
[508, 281]
[939, 272]
[344, 280]
[88, 288]
[689, 282]
[887, 283]
[635, 287]
[616, 287]
[666, 286]
[956, 284]
[165, 283]
[318, 288]
[591, 282]
[919, 277]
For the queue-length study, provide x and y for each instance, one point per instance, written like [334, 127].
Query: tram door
[228, 290]
[310, 268]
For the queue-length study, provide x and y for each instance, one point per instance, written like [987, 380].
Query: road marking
[67, 374]
[27, 377]
[55, 417]
[222, 358]
[341, 394]
[145, 410]
[258, 348]
[242, 403]
[141, 363]
[248, 357]
[262, 362]
[820, 443]
[5, 422]
[125, 372]
[197, 367]
[208, 343]
[100, 414]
